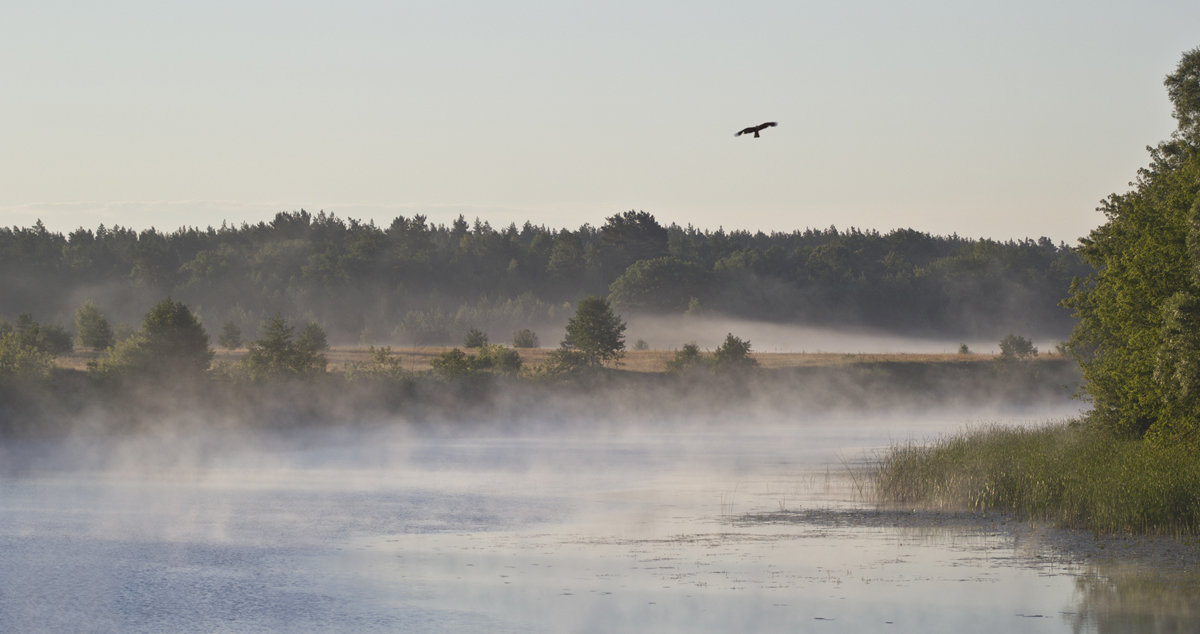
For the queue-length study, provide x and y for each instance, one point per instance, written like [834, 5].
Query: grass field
[418, 358]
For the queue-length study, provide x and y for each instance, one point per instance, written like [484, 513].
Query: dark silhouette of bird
[756, 128]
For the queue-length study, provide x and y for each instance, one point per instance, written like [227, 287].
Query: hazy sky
[999, 119]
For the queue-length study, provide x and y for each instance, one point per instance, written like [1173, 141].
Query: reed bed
[1064, 473]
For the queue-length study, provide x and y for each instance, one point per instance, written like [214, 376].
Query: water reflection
[1123, 598]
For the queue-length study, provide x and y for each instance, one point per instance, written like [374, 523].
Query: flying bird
[756, 128]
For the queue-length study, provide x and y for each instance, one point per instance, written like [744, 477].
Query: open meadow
[417, 359]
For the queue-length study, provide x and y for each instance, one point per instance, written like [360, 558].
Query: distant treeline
[416, 282]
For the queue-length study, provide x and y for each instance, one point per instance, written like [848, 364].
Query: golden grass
[418, 358]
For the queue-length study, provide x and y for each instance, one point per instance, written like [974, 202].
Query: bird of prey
[756, 128]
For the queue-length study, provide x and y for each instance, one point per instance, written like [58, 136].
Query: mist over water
[719, 523]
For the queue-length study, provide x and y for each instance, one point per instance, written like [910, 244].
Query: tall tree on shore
[1136, 333]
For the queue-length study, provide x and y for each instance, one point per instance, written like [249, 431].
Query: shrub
[382, 365]
[475, 338]
[1017, 347]
[230, 337]
[170, 345]
[565, 362]
[22, 361]
[92, 328]
[279, 354]
[452, 364]
[312, 338]
[48, 338]
[499, 358]
[686, 358]
[733, 354]
[525, 339]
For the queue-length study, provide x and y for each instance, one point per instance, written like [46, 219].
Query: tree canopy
[170, 346]
[412, 281]
[1137, 339]
[279, 353]
[596, 332]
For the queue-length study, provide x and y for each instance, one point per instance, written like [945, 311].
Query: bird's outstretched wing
[755, 129]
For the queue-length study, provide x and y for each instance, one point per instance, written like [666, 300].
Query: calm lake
[633, 525]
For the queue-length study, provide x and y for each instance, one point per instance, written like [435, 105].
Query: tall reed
[1064, 473]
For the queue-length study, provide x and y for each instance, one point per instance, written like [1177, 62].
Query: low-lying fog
[709, 332]
[615, 526]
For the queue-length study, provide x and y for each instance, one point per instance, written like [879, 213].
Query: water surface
[625, 526]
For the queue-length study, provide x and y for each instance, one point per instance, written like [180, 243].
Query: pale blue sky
[999, 119]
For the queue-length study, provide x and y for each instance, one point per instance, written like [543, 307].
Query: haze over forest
[413, 282]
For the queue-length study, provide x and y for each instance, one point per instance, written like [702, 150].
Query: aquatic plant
[1069, 474]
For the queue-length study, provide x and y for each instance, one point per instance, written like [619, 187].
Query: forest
[417, 283]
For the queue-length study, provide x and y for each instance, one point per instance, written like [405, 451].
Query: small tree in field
[734, 354]
[525, 339]
[685, 359]
[475, 338]
[21, 360]
[172, 334]
[1017, 347]
[230, 337]
[171, 345]
[313, 341]
[92, 328]
[46, 337]
[596, 332]
[280, 355]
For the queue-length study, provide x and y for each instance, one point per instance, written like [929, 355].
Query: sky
[983, 119]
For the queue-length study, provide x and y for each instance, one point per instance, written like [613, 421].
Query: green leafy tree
[596, 332]
[659, 284]
[475, 338]
[313, 341]
[1177, 368]
[455, 363]
[278, 354]
[20, 360]
[49, 338]
[686, 358]
[565, 362]
[452, 364]
[1016, 347]
[733, 354]
[1136, 326]
[171, 345]
[172, 334]
[230, 337]
[92, 328]
[498, 358]
[525, 339]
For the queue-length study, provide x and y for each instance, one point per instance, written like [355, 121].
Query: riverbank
[1065, 474]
